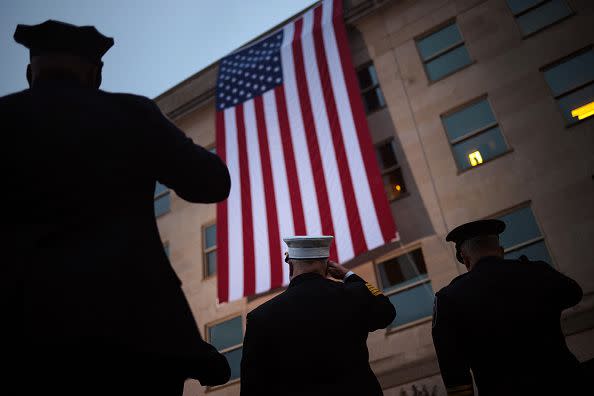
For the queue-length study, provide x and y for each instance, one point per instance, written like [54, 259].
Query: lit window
[373, 98]
[443, 52]
[162, 198]
[523, 237]
[474, 134]
[209, 244]
[227, 338]
[535, 15]
[404, 280]
[572, 84]
[390, 169]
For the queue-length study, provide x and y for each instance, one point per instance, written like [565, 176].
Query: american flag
[291, 127]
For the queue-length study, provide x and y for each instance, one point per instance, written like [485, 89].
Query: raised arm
[193, 172]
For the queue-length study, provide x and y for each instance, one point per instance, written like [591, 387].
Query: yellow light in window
[584, 111]
[475, 158]
[397, 187]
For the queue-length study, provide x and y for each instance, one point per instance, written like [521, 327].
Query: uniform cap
[309, 247]
[58, 37]
[474, 229]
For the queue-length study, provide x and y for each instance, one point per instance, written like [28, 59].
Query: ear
[29, 75]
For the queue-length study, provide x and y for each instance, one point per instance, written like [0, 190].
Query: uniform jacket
[502, 321]
[81, 171]
[311, 339]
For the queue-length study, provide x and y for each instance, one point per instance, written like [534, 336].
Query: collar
[304, 278]
[57, 81]
[486, 260]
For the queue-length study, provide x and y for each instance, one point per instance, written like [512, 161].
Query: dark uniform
[502, 321]
[99, 291]
[311, 339]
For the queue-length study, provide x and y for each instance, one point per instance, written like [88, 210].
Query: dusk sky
[157, 43]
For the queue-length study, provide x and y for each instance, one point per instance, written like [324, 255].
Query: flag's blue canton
[250, 72]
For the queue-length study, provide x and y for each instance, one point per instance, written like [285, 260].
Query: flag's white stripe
[342, 234]
[367, 213]
[303, 163]
[259, 218]
[282, 194]
[234, 216]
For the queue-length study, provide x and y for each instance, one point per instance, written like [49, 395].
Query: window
[443, 52]
[522, 236]
[162, 200]
[373, 98]
[390, 169]
[404, 280]
[572, 84]
[212, 149]
[209, 247]
[474, 134]
[227, 337]
[166, 248]
[535, 15]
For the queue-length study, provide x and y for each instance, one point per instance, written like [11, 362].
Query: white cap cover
[309, 247]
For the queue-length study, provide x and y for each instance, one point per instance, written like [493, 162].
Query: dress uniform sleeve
[250, 365]
[455, 370]
[194, 173]
[377, 308]
[213, 368]
[565, 290]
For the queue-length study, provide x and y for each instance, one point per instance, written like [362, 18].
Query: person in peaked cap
[311, 339]
[104, 311]
[501, 320]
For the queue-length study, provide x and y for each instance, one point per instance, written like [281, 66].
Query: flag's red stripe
[222, 226]
[383, 212]
[249, 267]
[289, 154]
[276, 270]
[346, 182]
[312, 140]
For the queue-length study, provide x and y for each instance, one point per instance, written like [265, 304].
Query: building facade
[469, 105]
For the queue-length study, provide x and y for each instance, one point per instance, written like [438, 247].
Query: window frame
[392, 255]
[362, 91]
[232, 348]
[393, 168]
[574, 89]
[206, 251]
[542, 237]
[444, 51]
[534, 7]
[476, 132]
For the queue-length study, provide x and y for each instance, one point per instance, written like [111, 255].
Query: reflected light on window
[584, 111]
[475, 158]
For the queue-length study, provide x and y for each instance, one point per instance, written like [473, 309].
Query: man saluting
[311, 339]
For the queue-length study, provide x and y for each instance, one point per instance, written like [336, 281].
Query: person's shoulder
[14, 98]
[267, 307]
[130, 99]
[455, 285]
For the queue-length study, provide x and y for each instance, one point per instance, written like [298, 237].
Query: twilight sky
[157, 43]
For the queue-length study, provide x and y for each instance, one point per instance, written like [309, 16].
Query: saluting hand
[336, 270]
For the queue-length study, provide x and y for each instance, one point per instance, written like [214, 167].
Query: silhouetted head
[61, 51]
[316, 266]
[476, 240]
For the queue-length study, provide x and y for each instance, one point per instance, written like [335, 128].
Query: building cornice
[198, 90]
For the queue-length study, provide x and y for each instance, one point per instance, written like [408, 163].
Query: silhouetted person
[501, 320]
[104, 312]
[312, 339]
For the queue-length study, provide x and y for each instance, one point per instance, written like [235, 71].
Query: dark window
[390, 170]
[572, 84]
[213, 149]
[535, 15]
[162, 198]
[474, 134]
[166, 248]
[373, 98]
[522, 236]
[227, 337]
[209, 237]
[404, 280]
[443, 52]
